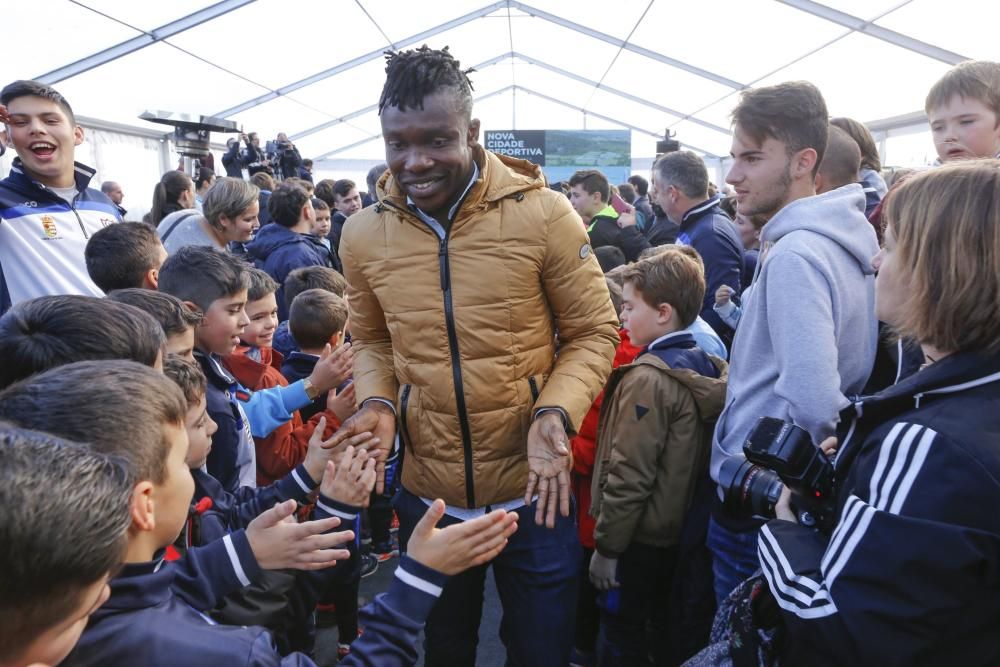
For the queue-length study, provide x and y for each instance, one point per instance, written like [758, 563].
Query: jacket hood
[249, 371]
[838, 215]
[709, 393]
[504, 176]
[270, 238]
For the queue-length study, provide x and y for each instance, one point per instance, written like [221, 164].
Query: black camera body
[780, 454]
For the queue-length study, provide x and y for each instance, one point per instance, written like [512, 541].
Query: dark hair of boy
[343, 187]
[188, 376]
[286, 202]
[25, 88]
[640, 184]
[173, 315]
[972, 79]
[609, 257]
[627, 192]
[64, 528]
[793, 113]
[672, 277]
[202, 275]
[121, 255]
[324, 191]
[51, 331]
[135, 404]
[313, 277]
[728, 206]
[319, 204]
[315, 316]
[261, 284]
[591, 180]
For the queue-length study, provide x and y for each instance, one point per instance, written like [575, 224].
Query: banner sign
[560, 153]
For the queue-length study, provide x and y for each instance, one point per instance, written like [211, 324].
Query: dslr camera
[779, 454]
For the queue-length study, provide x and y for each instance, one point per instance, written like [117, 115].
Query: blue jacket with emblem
[909, 575]
[279, 251]
[42, 236]
[707, 229]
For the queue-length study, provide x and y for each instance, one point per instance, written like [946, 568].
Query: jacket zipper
[534, 389]
[79, 220]
[403, 402]
[456, 367]
[456, 362]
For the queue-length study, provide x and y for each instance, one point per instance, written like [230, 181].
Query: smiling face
[241, 228]
[429, 150]
[223, 324]
[263, 315]
[349, 204]
[761, 174]
[45, 139]
[964, 129]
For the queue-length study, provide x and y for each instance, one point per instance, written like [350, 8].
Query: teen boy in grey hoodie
[807, 336]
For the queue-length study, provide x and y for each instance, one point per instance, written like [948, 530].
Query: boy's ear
[337, 339]
[143, 519]
[151, 280]
[665, 313]
[190, 304]
[77, 135]
[804, 161]
[4, 137]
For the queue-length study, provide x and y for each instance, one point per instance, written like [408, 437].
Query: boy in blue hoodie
[154, 613]
[216, 284]
[289, 244]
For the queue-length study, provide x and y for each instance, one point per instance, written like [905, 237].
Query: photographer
[285, 157]
[909, 573]
[254, 159]
[232, 160]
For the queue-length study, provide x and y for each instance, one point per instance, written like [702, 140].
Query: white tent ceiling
[314, 68]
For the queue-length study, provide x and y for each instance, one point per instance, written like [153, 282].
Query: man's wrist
[379, 404]
[554, 410]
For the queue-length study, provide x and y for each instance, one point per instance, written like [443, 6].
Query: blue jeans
[734, 557]
[536, 576]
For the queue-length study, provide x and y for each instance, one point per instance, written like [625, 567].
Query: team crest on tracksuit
[49, 227]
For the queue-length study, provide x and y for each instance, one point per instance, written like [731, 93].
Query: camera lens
[749, 489]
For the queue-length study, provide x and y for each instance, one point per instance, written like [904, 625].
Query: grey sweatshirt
[807, 336]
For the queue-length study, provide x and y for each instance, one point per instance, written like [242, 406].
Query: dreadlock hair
[414, 74]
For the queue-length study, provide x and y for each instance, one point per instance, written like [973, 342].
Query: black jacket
[604, 230]
[911, 573]
[233, 161]
[661, 231]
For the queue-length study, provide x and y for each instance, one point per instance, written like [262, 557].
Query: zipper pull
[916, 400]
[443, 264]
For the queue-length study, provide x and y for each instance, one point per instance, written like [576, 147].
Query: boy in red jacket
[256, 366]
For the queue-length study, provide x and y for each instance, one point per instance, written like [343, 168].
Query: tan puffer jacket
[515, 265]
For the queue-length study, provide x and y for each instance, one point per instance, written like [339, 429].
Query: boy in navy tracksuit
[47, 210]
[282, 601]
[216, 284]
[154, 613]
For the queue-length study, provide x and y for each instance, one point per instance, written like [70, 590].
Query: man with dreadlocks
[459, 277]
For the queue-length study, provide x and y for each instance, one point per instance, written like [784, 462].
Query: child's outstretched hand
[320, 451]
[351, 480]
[333, 368]
[723, 294]
[278, 542]
[342, 403]
[458, 547]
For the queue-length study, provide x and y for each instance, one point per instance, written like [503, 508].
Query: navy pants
[734, 557]
[536, 576]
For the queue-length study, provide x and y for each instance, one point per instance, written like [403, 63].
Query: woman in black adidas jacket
[911, 572]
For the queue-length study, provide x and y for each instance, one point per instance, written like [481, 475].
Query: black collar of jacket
[82, 175]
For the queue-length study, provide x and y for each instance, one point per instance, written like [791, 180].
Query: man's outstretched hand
[378, 419]
[549, 463]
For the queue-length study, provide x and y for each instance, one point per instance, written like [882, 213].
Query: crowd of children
[178, 487]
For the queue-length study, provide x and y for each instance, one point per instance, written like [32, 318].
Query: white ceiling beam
[876, 31]
[142, 41]
[361, 60]
[628, 46]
